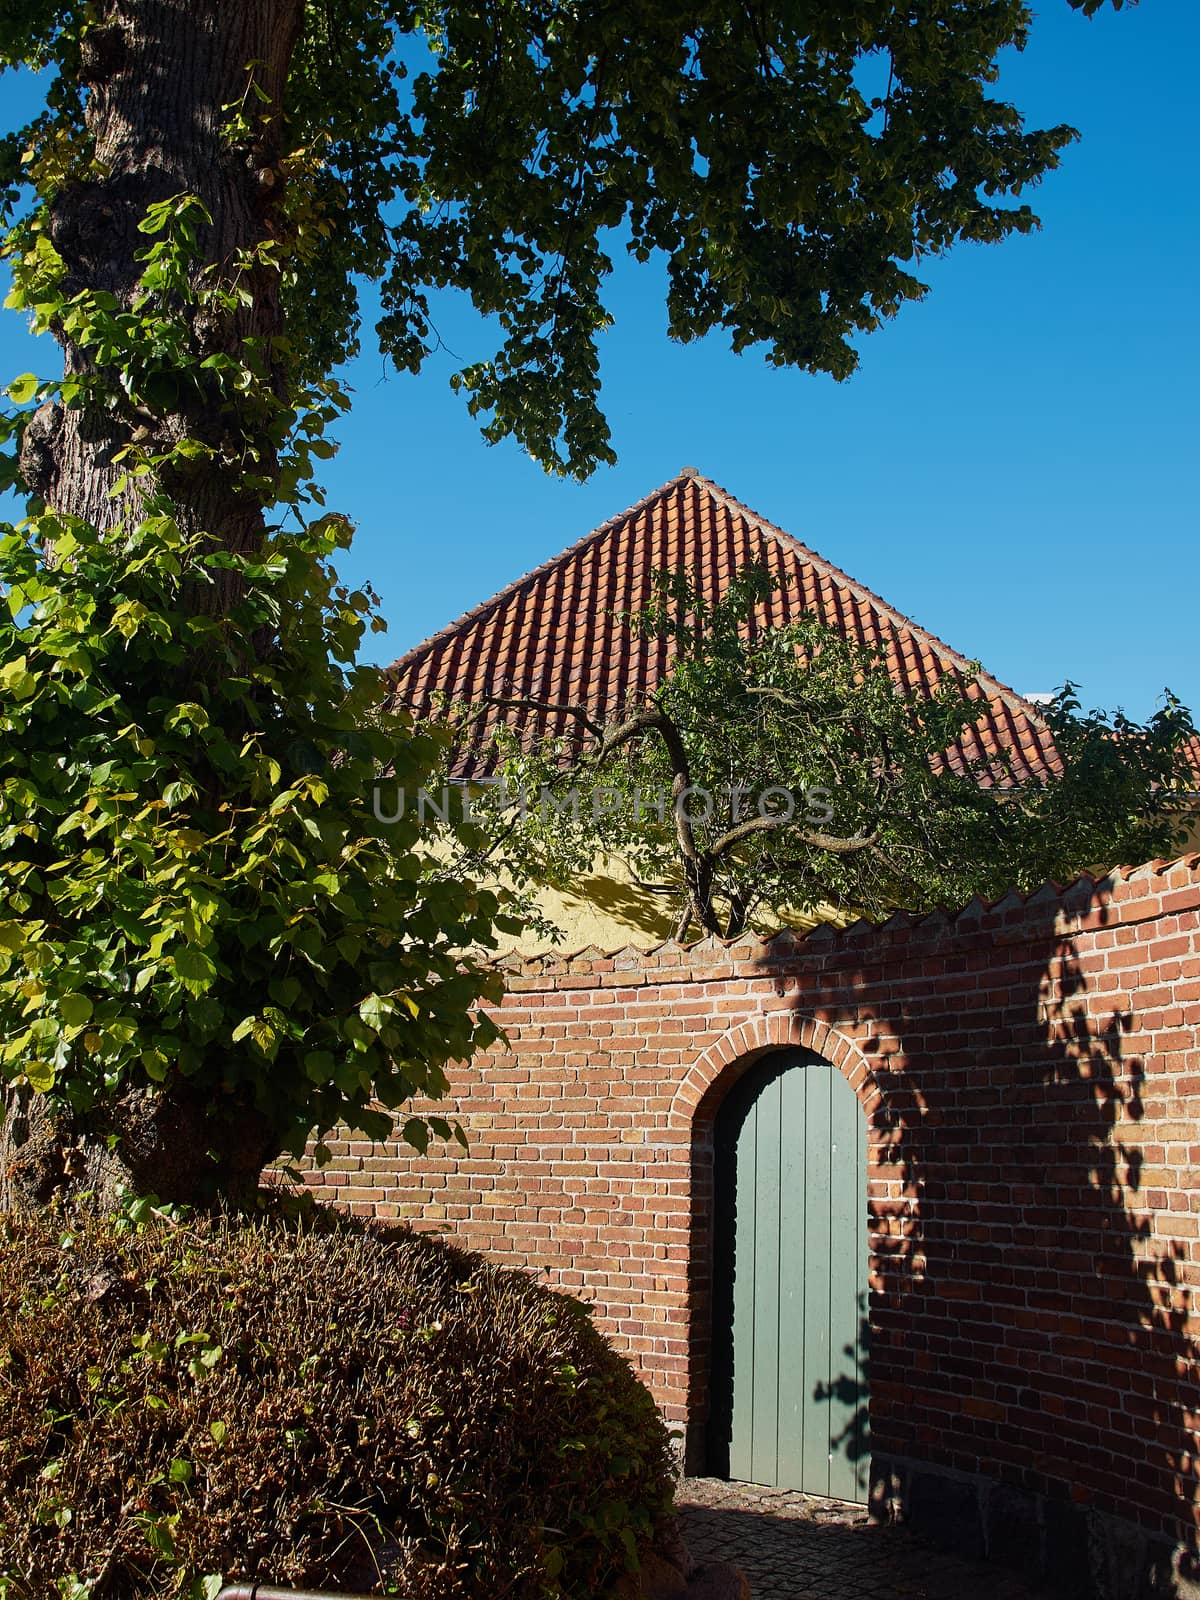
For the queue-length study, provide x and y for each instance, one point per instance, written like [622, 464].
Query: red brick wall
[1031, 1078]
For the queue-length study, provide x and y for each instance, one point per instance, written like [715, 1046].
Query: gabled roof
[557, 634]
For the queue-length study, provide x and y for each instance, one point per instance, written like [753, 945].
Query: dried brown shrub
[322, 1405]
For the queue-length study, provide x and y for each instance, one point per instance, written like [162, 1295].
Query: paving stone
[798, 1547]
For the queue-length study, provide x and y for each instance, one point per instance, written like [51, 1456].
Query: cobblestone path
[793, 1547]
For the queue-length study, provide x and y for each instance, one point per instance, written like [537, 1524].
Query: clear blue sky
[1015, 465]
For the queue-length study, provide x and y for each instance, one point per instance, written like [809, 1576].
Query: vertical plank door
[795, 1142]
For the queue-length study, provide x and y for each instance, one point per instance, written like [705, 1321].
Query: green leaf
[194, 968]
[40, 1075]
[159, 1533]
[156, 1064]
[319, 1066]
[187, 713]
[16, 679]
[161, 390]
[284, 991]
[75, 1010]
[23, 389]
[264, 1036]
[127, 617]
[374, 1011]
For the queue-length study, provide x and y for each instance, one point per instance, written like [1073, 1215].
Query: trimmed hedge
[323, 1405]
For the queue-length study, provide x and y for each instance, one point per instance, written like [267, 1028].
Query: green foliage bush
[319, 1404]
[198, 902]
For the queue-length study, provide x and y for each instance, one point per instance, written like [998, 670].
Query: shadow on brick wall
[1033, 1358]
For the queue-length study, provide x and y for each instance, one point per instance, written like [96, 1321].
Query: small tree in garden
[782, 769]
[211, 947]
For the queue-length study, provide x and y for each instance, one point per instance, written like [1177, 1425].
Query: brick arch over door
[693, 1111]
[714, 1073]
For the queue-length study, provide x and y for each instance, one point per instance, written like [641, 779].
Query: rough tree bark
[158, 75]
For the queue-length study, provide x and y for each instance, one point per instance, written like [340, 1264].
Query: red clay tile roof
[557, 635]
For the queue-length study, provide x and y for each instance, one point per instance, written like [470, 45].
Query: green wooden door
[791, 1277]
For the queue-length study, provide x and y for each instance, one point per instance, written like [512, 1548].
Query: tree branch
[552, 707]
[836, 844]
[697, 864]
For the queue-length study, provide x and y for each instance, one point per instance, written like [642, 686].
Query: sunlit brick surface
[1031, 1076]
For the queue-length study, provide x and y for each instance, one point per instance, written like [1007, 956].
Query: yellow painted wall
[605, 909]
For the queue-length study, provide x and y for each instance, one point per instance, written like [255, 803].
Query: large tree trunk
[160, 75]
[173, 1143]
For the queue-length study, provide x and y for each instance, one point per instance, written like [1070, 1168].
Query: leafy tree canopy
[792, 164]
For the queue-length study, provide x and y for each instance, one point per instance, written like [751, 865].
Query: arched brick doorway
[696, 1106]
[788, 1387]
